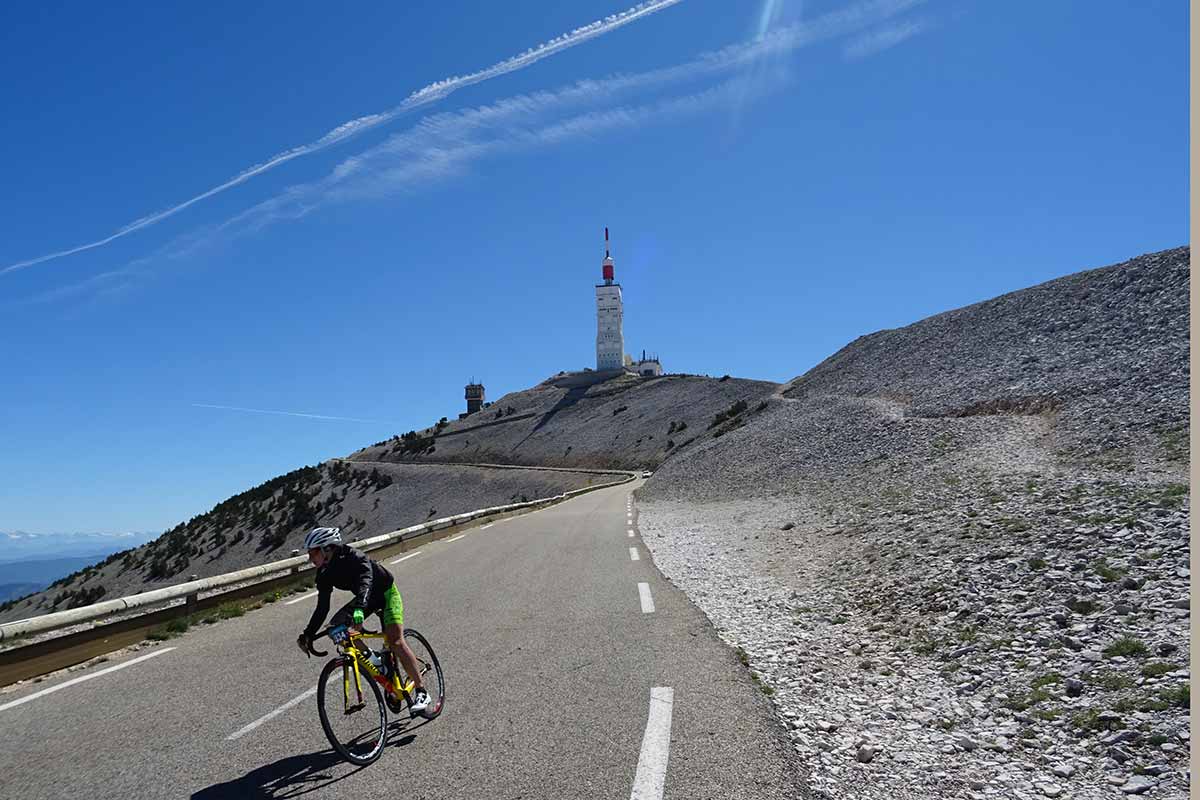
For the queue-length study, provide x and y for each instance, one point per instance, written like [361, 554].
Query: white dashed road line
[485, 527]
[633, 554]
[631, 533]
[647, 600]
[83, 678]
[454, 538]
[402, 558]
[298, 599]
[656, 745]
[272, 715]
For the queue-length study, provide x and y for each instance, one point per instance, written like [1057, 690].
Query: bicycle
[356, 657]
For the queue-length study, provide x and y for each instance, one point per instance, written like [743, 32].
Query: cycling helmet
[322, 537]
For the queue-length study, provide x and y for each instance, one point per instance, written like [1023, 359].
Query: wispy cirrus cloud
[441, 145]
[291, 414]
[445, 144]
[421, 97]
[879, 40]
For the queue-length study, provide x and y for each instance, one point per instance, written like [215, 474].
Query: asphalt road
[550, 657]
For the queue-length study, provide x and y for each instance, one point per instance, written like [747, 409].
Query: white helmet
[322, 537]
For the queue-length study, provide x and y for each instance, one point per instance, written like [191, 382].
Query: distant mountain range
[24, 546]
[29, 562]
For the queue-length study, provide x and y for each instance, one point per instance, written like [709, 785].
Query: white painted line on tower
[633, 554]
[272, 715]
[455, 538]
[403, 558]
[298, 599]
[647, 600]
[656, 745]
[83, 678]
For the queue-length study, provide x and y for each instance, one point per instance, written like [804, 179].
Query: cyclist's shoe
[420, 702]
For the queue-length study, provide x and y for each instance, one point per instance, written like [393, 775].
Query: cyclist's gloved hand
[358, 616]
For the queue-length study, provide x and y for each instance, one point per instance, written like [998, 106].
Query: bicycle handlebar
[322, 653]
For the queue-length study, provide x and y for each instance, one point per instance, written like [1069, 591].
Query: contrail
[292, 414]
[428, 94]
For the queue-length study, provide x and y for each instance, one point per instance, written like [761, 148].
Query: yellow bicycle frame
[361, 662]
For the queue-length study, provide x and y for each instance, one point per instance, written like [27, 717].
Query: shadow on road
[298, 775]
[288, 777]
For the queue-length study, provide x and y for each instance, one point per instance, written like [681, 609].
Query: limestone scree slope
[955, 554]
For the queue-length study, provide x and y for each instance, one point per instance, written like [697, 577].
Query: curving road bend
[573, 669]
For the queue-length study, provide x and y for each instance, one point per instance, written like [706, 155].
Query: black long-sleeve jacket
[354, 571]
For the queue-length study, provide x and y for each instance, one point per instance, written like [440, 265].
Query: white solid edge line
[83, 678]
[454, 538]
[647, 600]
[402, 558]
[656, 745]
[633, 554]
[272, 714]
[300, 598]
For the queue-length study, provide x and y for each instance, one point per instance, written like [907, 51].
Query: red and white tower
[610, 336]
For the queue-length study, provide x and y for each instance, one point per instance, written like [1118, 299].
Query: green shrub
[1048, 679]
[1081, 606]
[1125, 646]
[1179, 696]
[1107, 573]
[1108, 679]
[231, 609]
[730, 413]
[1158, 668]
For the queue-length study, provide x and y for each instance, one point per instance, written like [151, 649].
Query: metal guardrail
[190, 591]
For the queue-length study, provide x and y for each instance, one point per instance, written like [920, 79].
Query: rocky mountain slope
[956, 554]
[265, 523]
[622, 422]
[590, 421]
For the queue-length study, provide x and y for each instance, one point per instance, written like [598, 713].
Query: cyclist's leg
[404, 655]
[393, 631]
[344, 615]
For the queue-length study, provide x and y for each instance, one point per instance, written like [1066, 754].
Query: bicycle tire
[430, 668]
[359, 759]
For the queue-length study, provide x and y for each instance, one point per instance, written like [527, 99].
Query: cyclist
[339, 565]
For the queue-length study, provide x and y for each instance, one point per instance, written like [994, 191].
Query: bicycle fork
[349, 706]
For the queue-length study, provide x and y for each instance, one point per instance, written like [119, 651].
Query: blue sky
[780, 177]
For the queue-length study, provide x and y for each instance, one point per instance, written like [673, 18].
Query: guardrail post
[190, 603]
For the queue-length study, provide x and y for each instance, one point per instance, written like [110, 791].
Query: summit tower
[610, 336]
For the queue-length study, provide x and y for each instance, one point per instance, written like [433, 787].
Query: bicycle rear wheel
[431, 672]
[356, 728]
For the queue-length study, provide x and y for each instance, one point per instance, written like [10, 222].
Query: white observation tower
[610, 339]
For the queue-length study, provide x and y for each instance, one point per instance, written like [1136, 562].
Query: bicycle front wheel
[356, 723]
[431, 671]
